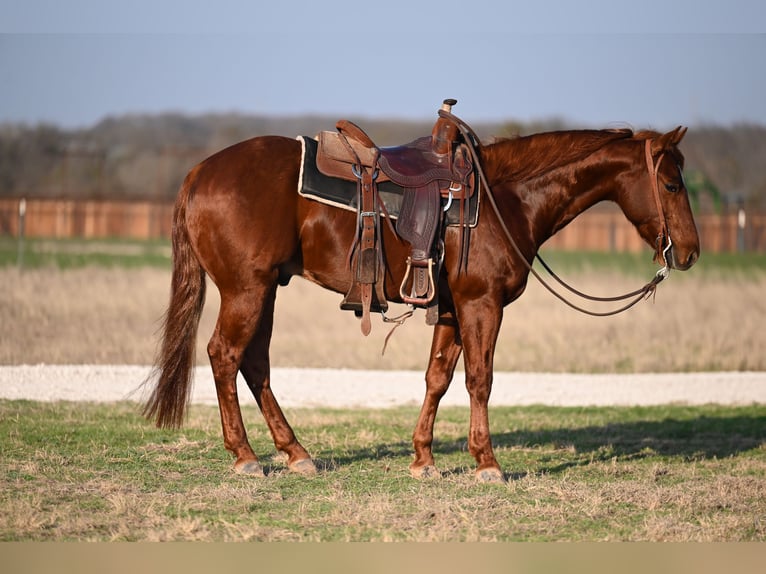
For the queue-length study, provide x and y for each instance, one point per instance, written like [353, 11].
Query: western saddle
[429, 169]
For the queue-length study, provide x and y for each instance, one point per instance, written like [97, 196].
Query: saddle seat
[415, 164]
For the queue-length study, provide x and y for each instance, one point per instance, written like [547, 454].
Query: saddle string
[399, 320]
[642, 293]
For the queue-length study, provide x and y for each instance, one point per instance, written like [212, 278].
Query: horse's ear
[680, 132]
[668, 140]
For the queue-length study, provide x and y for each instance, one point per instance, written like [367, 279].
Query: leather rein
[634, 296]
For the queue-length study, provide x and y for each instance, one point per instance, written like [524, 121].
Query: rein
[634, 296]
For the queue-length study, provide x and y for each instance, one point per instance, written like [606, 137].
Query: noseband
[664, 234]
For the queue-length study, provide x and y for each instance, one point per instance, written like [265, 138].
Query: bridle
[634, 296]
[664, 234]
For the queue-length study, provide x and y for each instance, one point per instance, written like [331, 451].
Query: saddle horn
[445, 131]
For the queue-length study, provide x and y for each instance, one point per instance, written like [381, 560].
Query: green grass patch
[84, 471]
[75, 253]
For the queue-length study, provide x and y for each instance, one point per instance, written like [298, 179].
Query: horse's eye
[671, 187]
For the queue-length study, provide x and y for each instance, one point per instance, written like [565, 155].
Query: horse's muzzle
[682, 264]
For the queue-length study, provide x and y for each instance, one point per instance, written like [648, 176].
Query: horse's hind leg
[238, 319]
[256, 370]
[445, 352]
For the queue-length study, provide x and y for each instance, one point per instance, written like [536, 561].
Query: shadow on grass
[698, 438]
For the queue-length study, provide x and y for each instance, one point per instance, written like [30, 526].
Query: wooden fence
[600, 229]
[67, 219]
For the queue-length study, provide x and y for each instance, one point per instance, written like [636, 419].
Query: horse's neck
[547, 180]
[568, 191]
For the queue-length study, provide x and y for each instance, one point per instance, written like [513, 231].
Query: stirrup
[430, 292]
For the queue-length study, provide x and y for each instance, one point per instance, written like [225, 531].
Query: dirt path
[380, 389]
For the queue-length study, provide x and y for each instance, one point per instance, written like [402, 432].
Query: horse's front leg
[479, 328]
[445, 351]
[256, 370]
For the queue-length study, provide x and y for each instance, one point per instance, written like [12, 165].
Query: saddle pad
[343, 194]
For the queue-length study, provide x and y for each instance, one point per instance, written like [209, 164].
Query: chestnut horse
[239, 219]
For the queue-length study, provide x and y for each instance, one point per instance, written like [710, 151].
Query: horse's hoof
[250, 467]
[490, 475]
[424, 472]
[305, 466]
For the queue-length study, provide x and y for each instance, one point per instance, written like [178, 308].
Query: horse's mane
[526, 157]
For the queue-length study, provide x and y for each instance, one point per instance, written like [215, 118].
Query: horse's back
[248, 167]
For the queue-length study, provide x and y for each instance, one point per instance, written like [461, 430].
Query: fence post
[22, 217]
[741, 221]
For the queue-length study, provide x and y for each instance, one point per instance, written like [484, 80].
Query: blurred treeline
[147, 156]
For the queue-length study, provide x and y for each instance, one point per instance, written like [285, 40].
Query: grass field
[101, 473]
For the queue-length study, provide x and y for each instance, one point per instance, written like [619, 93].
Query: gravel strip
[380, 389]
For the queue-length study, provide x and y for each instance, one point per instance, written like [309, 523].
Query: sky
[598, 63]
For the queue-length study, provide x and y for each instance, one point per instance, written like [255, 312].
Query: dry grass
[111, 316]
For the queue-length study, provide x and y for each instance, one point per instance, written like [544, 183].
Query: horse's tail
[175, 362]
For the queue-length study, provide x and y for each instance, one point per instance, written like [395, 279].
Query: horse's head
[655, 199]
